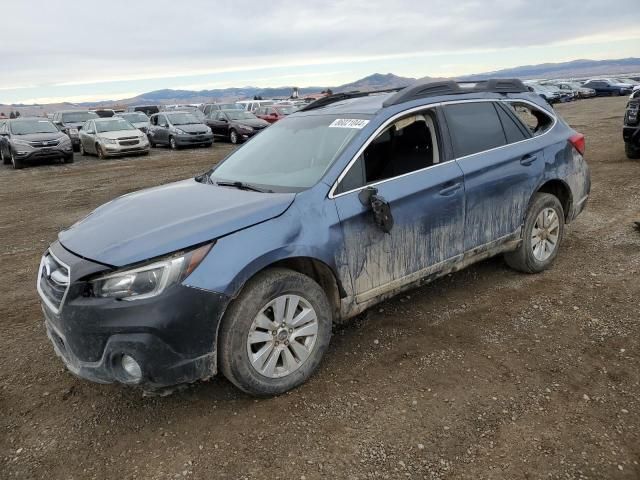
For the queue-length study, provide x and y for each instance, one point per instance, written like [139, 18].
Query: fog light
[131, 367]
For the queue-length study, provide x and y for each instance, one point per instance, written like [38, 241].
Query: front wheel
[68, 158]
[151, 142]
[275, 333]
[631, 151]
[233, 136]
[172, 143]
[541, 236]
[16, 162]
[100, 151]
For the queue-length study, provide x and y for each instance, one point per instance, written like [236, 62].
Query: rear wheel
[632, 151]
[275, 333]
[541, 237]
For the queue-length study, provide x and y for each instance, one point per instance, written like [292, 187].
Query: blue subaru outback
[353, 199]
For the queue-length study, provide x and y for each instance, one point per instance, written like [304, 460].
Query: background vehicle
[631, 128]
[551, 96]
[207, 108]
[178, 129]
[274, 113]
[253, 105]
[137, 119]
[253, 261]
[110, 137]
[104, 112]
[573, 87]
[26, 139]
[607, 87]
[235, 125]
[71, 121]
[146, 109]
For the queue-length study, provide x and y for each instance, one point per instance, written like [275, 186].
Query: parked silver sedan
[107, 137]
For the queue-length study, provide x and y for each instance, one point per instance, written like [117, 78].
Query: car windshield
[240, 115]
[114, 125]
[137, 117]
[285, 110]
[230, 106]
[182, 118]
[25, 127]
[291, 155]
[78, 117]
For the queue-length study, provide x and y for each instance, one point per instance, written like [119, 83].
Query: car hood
[252, 122]
[40, 137]
[161, 220]
[120, 134]
[140, 124]
[193, 127]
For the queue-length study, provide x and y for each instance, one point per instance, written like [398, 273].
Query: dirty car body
[373, 194]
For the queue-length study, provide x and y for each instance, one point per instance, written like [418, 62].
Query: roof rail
[336, 97]
[451, 87]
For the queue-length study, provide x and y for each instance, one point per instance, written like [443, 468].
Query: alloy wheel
[233, 136]
[282, 336]
[545, 233]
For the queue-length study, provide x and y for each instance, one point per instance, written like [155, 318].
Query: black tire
[16, 162]
[208, 145]
[631, 151]
[232, 344]
[68, 158]
[5, 159]
[523, 258]
[233, 137]
[172, 143]
[100, 152]
[82, 150]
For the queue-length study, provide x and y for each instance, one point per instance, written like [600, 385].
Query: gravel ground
[484, 374]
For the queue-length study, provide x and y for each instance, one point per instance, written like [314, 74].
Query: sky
[68, 50]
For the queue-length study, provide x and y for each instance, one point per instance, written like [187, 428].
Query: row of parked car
[107, 133]
[558, 91]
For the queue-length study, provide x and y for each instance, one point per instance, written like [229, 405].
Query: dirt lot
[486, 373]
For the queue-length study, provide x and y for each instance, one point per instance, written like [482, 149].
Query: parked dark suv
[27, 139]
[608, 87]
[351, 200]
[71, 121]
[631, 129]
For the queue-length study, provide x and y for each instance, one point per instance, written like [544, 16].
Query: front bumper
[30, 153]
[188, 139]
[172, 336]
[115, 150]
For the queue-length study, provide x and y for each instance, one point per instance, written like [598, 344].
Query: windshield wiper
[243, 186]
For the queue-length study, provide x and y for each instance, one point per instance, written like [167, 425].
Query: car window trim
[332, 195]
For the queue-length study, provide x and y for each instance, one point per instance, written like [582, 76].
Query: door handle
[450, 189]
[528, 160]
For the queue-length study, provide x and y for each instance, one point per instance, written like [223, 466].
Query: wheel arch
[561, 190]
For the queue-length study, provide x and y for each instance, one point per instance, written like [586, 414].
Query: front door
[405, 169]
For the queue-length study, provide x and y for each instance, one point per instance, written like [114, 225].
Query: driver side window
[407, 145]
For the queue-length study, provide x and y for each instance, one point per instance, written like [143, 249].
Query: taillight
[577, 141]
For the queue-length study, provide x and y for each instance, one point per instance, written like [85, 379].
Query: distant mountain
[573, 69]
[377, 81]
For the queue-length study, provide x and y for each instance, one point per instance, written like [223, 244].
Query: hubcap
[234, 137]
[545, 233]
[282, 336]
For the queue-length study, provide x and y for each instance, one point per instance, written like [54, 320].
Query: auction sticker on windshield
[348, 123]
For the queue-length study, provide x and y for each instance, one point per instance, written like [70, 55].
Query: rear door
[406, 168]
[502, 168]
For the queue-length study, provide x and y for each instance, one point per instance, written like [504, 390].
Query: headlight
[208, 130]
[180, 131]
[149, 280]
[246, 128]
[108, 140]
[21, 142]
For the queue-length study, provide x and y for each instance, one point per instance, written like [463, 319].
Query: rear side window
[534, 119]
[474, 127]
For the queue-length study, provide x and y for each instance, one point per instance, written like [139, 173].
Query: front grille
[129, 142]
[46, 143]
[53, 281]
[198, 133]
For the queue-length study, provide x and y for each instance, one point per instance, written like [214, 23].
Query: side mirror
[380, 207]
